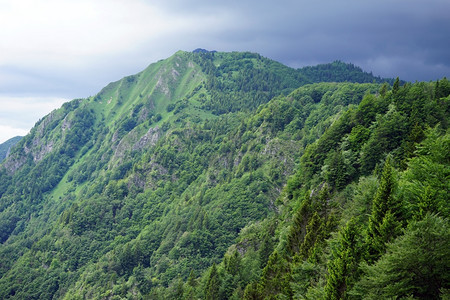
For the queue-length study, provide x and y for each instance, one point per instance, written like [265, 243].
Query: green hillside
[227, 176]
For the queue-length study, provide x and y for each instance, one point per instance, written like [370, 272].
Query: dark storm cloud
[409, 39]
[65, 49]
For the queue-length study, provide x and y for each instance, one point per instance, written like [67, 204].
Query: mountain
[221, 175]
[6, 146]
[340, 72]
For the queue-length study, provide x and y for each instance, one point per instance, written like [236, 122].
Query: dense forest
[215, 175]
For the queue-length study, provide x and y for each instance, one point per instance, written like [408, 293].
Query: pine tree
[416, 135]
[384, 89]
[232, 263]
[343, 270]
[396, 85]
[297, 230]
[337, 173]
[265, 250]
[426, 203]
[386, 217]
[213, 284]
[251, 292]
[415, 264]
[192, 279]
[313, 229]
[189, 287]
[276, 277]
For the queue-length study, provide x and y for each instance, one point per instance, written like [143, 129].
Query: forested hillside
[230, 176]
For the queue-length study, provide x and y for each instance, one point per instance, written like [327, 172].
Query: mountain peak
[200, 160]
[201, 50]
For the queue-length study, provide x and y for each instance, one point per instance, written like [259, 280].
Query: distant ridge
[6, 146]
[200, 50]
[340, 72]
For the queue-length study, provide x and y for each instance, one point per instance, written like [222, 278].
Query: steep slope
[155, 176]
[357, 218]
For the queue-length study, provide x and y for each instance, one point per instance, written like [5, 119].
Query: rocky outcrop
[13, 163]
[149, 139]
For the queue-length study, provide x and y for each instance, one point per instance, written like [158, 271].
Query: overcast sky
[52, 51]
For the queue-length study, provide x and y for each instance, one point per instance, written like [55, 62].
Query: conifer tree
[189, 287]
[251, 292]
[385, 219]
[396, 85]
[265, 250]
[298, 228]
[337, 174]
[232, 263]
[213, 284]
[343, 270]
[426, 203]
[192, 281]
[276, 277]
[313, 229]
[415, 265]
[384, 90]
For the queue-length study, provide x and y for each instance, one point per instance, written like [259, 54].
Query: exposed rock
[125, 144]
[14, 163]
[115, 136]
[175, 74]
[143, 114]
[41, 127]
[8, 152]
[66, 124]
[162, 83]
[149, 139]
[44, 149]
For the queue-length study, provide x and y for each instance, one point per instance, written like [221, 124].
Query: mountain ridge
[186, 165]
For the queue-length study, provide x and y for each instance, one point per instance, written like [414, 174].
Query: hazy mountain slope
[156, 175]
[6, 146]
[340, 72]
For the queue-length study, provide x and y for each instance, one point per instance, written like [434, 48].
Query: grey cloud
[405, 38]
[402, 38]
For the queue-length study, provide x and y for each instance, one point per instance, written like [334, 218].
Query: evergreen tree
[265, 250]
[189, 287]
[426, 203]
[213, 284]
[251, 292]
[415, 136]
[192, 279]
[343, 269]
[276, 277]
[232, 263]
[426, 185]
[384, 89]
[386, 217]
[337, 173]
[396, 85]
[297, 230]
[313, 230]
[415, 264]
